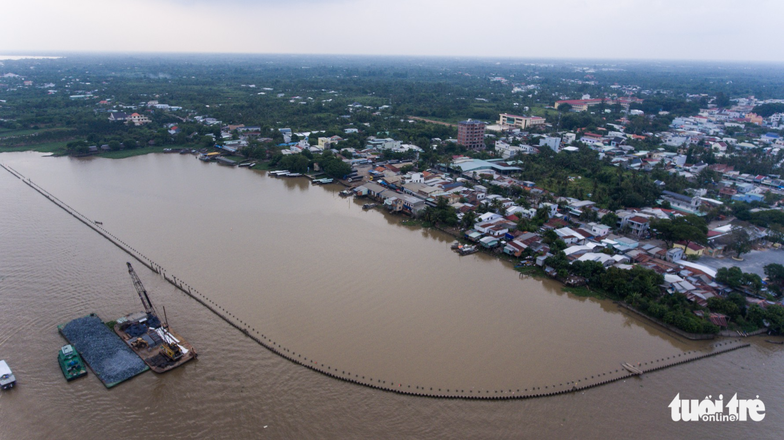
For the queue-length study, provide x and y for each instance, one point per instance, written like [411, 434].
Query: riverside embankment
[351, 289]
[386, 382]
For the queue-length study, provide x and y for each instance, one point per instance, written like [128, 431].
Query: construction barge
[151, 339]
[112, 361]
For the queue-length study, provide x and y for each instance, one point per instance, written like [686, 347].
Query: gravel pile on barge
[106, 354]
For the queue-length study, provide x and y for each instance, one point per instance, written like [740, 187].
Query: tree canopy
[689, 228]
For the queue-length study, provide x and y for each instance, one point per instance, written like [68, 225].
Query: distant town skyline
[719, 30]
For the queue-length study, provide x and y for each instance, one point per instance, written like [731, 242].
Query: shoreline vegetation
[58, 149]
[640, 307]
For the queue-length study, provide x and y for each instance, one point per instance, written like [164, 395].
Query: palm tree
[469, 218]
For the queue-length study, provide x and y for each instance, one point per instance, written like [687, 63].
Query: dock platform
[103, 351]
[147, 342]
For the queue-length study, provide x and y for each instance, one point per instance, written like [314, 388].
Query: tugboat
[71, 363]
[7, 379]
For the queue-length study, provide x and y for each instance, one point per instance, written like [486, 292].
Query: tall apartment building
[471, 134]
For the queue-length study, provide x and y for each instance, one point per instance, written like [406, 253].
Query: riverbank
[527, 389]
[46, 147]
[59, 149]
[585, 291]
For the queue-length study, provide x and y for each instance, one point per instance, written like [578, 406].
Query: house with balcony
[682, 202]
[638, 225]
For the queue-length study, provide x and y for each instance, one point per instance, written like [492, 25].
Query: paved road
[753, 262]
[432, 121]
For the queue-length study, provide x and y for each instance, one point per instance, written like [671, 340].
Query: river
[348, 288]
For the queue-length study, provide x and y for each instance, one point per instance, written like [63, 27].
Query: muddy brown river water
[352, 289]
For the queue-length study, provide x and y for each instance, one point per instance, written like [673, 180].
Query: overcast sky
[640, 29]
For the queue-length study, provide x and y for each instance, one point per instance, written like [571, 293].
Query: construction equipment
[150, 337]
[137, 283]
[171, 351]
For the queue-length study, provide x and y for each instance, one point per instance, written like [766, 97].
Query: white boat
[7, 379]
[467, 250]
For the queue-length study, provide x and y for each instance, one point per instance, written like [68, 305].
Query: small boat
[368, 206]
[455, 245]
[97, 222]
[292, 175]
[71, 363]
[7, 378]
[632, 369]
[344, 193]
[467, 250]
[243, 165]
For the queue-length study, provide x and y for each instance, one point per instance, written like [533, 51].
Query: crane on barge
[137, 284]
[167, 348]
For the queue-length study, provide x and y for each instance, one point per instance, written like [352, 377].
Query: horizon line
[64, 53]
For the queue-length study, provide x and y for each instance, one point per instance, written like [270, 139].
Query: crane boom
[137, 283]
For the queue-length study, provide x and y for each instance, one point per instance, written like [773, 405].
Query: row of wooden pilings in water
[385, 385]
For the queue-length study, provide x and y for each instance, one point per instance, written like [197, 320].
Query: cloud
[668, 29]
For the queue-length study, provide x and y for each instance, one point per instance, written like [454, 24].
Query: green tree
[739, 241]
[296, 163]
[130, 144]
[690, 228]
[610, 219]
[468, 220]
[335, 167]
[442, 213]
[775, 316]
[77, 147]
[565, 108]
[732, 277]
[722, 100]
[775, 274]
[722, 305]
[549, 236]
